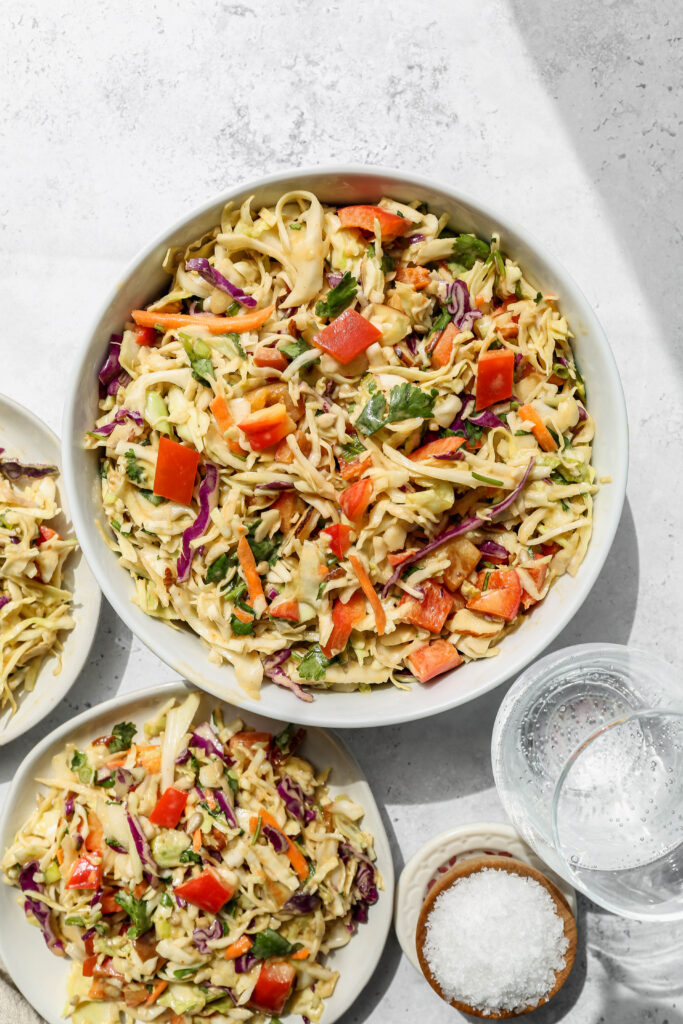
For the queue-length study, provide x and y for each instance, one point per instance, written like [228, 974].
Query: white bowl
[27, 438]
[184, 651]
[22, 947]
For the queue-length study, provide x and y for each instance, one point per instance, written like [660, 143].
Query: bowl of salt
[496, 938]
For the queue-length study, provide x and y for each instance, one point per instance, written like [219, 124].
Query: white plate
[440, 853]
[27, 438]
[22, 947]
[182, 649]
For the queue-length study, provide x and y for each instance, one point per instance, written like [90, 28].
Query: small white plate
[27, 438]
[440, 854]
[22, 948]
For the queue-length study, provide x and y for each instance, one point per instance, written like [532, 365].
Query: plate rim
[376, 939]
[91, 620]
[315, 713]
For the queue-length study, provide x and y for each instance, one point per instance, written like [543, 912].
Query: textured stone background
[117, 118]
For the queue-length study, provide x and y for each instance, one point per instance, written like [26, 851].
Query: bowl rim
[314, 713]
[375, 940]
[74, 662]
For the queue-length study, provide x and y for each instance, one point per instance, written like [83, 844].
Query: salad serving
[35, 606]
[348, 447]
[195, 871]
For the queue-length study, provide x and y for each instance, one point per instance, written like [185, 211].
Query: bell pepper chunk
[495, 370]
[433, 660]
[285, 610]
[86, 873]
[417, 277]
[273, 987]
[347, 336]
[364, 217]
[206, 891]
[266, 427]
[355, 500]
[46, 534]
[431, 610]
[344, 618]
[442, 446]
[169, 808]
[271, 357]
[145, 336]
[175, 472]
[502, 596]
[340, 538]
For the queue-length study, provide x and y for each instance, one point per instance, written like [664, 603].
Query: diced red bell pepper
[285, 610]
[266, 427]
[442, 446]
[273, 987]
[347, 336]
[433, 659]
[340, 538]
[501, 597]
[206, 891]
[364, 217]
[86, 873]
[145, 336]
[169, 808]
[108, 903]
[538, 574]
[354, 469]
[355, 500]
[265, 356]
[495, 370]
[417, 277]
[400, 556]
[344, 618]
[46, 534]
[430, 611]
[91, 969]
[175, 472]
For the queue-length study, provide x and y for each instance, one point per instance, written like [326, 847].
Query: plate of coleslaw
[49, 600]
[343, 446]
[164, 856]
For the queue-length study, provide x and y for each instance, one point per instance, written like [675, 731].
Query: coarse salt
[494, 940]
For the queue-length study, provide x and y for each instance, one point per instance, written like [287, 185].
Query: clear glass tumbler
[587, 756]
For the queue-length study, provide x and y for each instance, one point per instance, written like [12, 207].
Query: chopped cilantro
[79, 765]
[189, 856]
[134, 471]
[338, 298]
[199, 355]
[137, 911]
[467, 249]
[218, 569]
[539, 298]
[270, 943]
[293, 349]
[405, 402]
[121, 737]
[240, 628]
[518, 290]
[154, 499]
[313, 665]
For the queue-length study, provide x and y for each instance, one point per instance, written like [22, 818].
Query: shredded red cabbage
[39, 910]
[497, 551]
[4, 599]
[183, 757]
[360, 912]
[111, 367]
[204, 738]
[459, 306]
[334, 278]
[202, 267]
[200, 936]
[416, 238]
[292, 796]
[244, 963]
[271, 591]
[365, 883]
[302, 903]
[272, 666]
[583, 415]
[275, 838]
[473, 523]
[141, 844]
[486, 419]
[69, 806]
[122, 414]
[224, 805]
[13, 469]
[411, 344]
[275, 485]
[208, 494]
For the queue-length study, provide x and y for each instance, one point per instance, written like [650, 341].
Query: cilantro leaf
[270, 943]
[217, 571]
[154, 499]
[388, 262]
[199, 355]
[79, 765]
[234, 340]
[351, 449]
[134, 471]
[240, 628]
[189, 856]
[313, 666]
[187, 972]
[293, 349]
[372, 416]
[467, 249]
[405, 402]
[121, 737]
[338, 298]
[265, 550]
[137, 911]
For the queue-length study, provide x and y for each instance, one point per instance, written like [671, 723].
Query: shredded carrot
[238, 948]
[118, 762]
[539, 429]
[177, 1018]
[242, 615]
[210, 799]
[301, 954]
[98, 989]
[139, 889]
[296, 857]
[60, 855]
[417, 277]
[213, 324]
[197, 840]
[156, 992]
[149, 757]
[248, 566]
[224, 421]
[95, 836]
[369, 591]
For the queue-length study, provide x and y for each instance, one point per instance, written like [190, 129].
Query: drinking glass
[587, 755]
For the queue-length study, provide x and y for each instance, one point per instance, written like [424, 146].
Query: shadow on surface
[616, 74]
[97, 682]
[642, 955]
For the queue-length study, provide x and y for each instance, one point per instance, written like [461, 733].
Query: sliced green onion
[488, 480]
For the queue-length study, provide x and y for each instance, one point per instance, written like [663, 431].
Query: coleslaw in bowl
[412, 400]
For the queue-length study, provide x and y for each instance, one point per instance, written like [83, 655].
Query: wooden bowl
[516, 867]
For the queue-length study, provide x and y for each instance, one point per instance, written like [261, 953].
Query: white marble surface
[117, 117]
